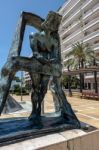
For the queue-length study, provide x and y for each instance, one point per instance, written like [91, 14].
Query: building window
[89, 86]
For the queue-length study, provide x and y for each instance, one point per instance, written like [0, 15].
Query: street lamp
[21, 85]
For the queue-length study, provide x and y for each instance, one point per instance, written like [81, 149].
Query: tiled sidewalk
[86, 110]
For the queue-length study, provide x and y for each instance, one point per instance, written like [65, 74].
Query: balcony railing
[90, 12]
[62, 33]
[85, 4]
[90, 36]
[64, 6]
[94, 9]
[94, 47]
[76, 33]
[67, 49]
[90, 24]
[71, 8]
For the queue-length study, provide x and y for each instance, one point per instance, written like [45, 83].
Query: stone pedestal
[68, 140]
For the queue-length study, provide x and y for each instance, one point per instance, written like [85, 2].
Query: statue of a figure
[46, 49]
[46, 62]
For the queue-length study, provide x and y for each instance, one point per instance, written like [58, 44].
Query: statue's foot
[74, 123]
[71, 121]
[36, 120]
[32, 117]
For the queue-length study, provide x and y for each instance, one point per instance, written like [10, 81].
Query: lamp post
[21, 85]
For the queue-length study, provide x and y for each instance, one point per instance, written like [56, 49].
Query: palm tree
[95, 76]
[69, 64]
[81, 55]
[94, 62]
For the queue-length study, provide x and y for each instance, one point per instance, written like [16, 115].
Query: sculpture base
[20, 129]
[67, 140]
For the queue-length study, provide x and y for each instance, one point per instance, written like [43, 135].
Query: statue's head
[52, 21]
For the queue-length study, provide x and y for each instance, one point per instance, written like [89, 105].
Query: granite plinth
[68, 140]
[13, 130]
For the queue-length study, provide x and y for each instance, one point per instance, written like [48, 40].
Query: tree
[75, 82]
[82, 55]
[95, 76]
[17, 79]
[69, 64]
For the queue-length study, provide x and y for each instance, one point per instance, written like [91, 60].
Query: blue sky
[9, 14]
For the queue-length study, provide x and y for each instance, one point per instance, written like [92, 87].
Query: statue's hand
[52, 60]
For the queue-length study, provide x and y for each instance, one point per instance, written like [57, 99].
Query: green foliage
[80, 56]
[74, 81]
[28, 86]
[17, 79]
[17, 90]
[65, 81]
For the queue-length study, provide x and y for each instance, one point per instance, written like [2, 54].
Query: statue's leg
[56, 102]
[34, 95]
[43, 91]
[55, 98]
[7, 75]
[65, 107]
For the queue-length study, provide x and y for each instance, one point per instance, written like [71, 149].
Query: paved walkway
[86, 110]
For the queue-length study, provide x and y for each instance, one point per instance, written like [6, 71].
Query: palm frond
[80, 52]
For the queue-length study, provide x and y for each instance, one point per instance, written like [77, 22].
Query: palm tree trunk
[96, 84]
[69, 86]
[82, 75]
[95, 77]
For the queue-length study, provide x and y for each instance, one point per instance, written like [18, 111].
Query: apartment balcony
[69, 29]
[91, 12]
[94, 23]
[75, 15]
[29, 79]
[64, 60]
[89, 4]
[95, 47]
[87, 16]
[66, 49]
[79, 12]
[76, 35]
[78, 3]
[91, 37]
[64, 6]
[67, 5]
[79, 35]
[73, 7]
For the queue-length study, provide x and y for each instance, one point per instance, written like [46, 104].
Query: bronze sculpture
[46, 62]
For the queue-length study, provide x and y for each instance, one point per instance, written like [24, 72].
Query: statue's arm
[26, 18]
[43, 60]
[32, 19]
[34, 40]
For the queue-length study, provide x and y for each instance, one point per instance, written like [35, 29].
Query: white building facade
[80, 23]
[27, 79]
